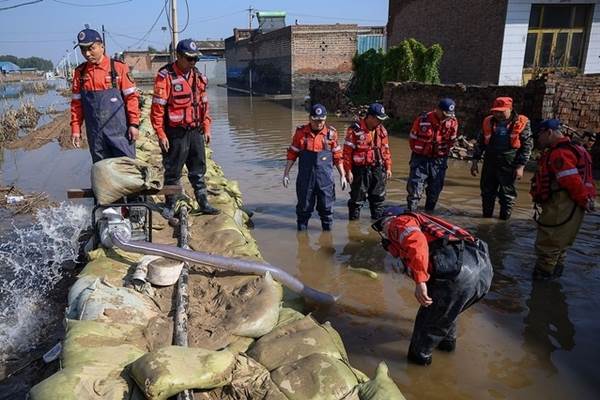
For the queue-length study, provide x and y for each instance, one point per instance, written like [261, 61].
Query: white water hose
[231, 264]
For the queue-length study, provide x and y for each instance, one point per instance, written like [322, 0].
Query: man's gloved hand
[343, 182]
[286, 181]
[385, 243]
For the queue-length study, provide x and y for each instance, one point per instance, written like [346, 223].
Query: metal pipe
[230, 264]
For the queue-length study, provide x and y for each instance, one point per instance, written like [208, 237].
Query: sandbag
[250, 381]
[90, 382]
[382, 387]
[160, 271]
[110, 265]
[101, 302]
[97, 343]
[255, 308]
[318, 377]
[114, 178]
[173, 369]
[287, 315]
[294, 341]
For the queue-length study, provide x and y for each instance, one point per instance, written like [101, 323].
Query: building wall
[515, 39]
[469, 31]
[271, 68]
[138, 62]
[321, 52]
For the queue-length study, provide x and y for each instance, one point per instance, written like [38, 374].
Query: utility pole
[103, 39]
[174, 38]
[250, 11]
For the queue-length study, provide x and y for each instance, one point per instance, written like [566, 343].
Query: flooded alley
[523, 341]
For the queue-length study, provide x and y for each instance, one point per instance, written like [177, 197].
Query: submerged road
[523, 341]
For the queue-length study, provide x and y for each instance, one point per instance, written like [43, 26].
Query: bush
[409, 61]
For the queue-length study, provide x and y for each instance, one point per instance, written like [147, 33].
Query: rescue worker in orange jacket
[316, 145]
[505, 143]
[105, 97]
[367, 162]
[564, 188]
[180, 117]
[432, 136]
[451, 269]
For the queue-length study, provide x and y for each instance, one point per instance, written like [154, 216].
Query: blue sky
[47, 29]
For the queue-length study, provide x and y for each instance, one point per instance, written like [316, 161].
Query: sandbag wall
[246, 341]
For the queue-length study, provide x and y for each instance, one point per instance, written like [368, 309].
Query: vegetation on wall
[409, 61]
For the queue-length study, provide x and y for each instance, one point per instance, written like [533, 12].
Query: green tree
[409, 61]
[30, 62]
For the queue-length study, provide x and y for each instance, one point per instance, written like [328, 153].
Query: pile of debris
[14, 119]
[463, 148]
[20, 203]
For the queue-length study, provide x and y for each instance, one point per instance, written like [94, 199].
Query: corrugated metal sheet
[366, 42]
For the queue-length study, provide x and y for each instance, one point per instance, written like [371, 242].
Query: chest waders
[315, 185]
[106, 120]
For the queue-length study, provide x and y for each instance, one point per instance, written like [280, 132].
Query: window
[556, 36]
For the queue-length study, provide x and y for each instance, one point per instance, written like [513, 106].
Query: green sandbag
[89, 382]
[317, 377]
[294, 341]
[250, 381]
[255, 307]
[380, 388]
[91, 343]
[173, 369]
[114, 178]
[106, 303]
[287, 315]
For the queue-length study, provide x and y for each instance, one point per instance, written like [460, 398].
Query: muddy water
[523, 341]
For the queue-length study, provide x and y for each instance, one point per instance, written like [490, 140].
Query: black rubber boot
[541, 275]
[203, 206]
[353, 213]
[419, 359]
[326, 226]
[448, 345]
[488, 209]
[505, 214]
[168, 212]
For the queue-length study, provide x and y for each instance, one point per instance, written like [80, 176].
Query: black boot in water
[203, 206]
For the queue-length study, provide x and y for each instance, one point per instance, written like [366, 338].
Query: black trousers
[451, 297]
[368, 184]
[186, 147]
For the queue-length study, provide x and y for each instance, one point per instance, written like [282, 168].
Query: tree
[30, 62]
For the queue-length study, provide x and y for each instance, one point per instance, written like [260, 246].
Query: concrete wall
[515, 39]
[469, 31]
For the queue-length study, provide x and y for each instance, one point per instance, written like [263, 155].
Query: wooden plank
[87, 193]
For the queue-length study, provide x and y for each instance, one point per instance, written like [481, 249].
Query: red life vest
[187, 103]
[544, 182]
[515, 127]
[367, 150]
[433, 138]
[307, 132]
[436, 228]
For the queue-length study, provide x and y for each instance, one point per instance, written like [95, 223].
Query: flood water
[523, 341]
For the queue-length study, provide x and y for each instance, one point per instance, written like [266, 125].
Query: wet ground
[523, 341]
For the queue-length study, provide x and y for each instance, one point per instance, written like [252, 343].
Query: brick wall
[321, 52]
[470, 32]
[332, 94]
[404, 101]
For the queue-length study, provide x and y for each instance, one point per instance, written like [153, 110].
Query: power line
[20, 5]
[218, 17]
[187, 20]
[162, 10]
[92, 5]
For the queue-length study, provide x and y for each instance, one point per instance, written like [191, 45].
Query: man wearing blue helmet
[431, 138]
[316, 145]
[451, 269]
